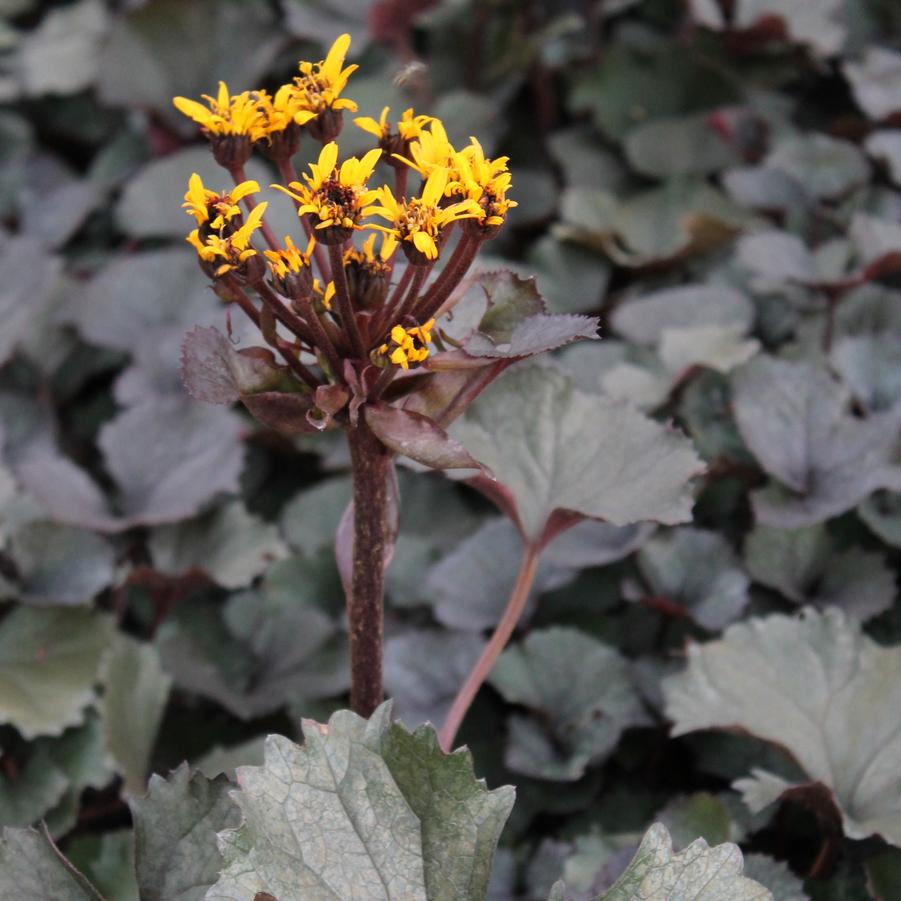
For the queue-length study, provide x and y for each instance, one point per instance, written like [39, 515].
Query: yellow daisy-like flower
[202, 203]
[408, 345]
[333, 195]
[225, 115]
[234, 250]
[431, 150]
[409, 127]
[319, 87]
[484, 181]
[279, 112]
[416, 223]
[289, 260]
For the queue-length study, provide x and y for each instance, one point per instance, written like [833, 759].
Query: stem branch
[498, 641]
[345, 307]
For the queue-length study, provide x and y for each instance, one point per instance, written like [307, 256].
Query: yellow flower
[201, 202]
[366, 256]
[416, 223]
[289, 259]
[409, 127]
[335, 196]
[227, 115]
[278, 113]
[319, 85]
[408, 345]
[324, 297]
[234, 250]
[484, 181]
[431, 150]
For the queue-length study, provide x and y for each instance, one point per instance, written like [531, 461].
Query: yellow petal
[239, 192]
[434, 187]
[331, 65]
[192, 109]
[423, 242]
[367, 123]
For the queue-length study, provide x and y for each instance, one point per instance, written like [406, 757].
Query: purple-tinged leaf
[419, 438]
[283, 412]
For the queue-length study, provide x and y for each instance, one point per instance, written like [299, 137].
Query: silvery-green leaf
[363, 810]
[135, 692]
[816, 686]
[717, 347]
[778, 256]
[876, 81]
[667, 147]
[165, 48]
[882, 513]
[33, 869]
[871, 367]
[645, 319]
[61, 55]
[805, 565]
[169, 457]
[886, 147]
[48, 666]
[697, 570]
[176, 853]
[762, 188]
[310, 518]
[570, 278]
[827, 167]
[699, 873]
[60, 565]
[699, 815]
[424, 669]
[229, 544]
[794, 418]
[111, 866]
[582, 695]
[553, 447]
[468, 587]
[776, 876]
[37, 787]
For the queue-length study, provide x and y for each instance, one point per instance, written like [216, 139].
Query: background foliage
[722, 186]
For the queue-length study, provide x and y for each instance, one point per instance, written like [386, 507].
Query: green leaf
[807, 567]
[699, 873]
[362, 809]
[553, 447]
[134, 698]
[581, 693]
[666, 147]
[700, 815]
[826, 167]
[176, 853]
[229, 544]
[884, 874]
[60, 565]
[309, 520]
[111, 866]
[48, 665]
[697, 570]
[876, 81]
[795, 420]
[816, 686]
[32, 869]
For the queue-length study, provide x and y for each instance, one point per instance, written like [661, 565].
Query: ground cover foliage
[701, 706]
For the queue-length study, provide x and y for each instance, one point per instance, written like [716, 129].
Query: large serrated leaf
[362, 811]
[554, 447]
[176, 853]
[818, 687]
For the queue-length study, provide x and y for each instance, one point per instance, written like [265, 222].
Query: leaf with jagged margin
[699, 873]
[795, 419]
[583, 697]
[48, 666]
[169, 457]
[230, 544]
[552, 447]
[817, 686]
[806, 566]
[32, 869]
[362, 811]
[176, 851]
[135, 692]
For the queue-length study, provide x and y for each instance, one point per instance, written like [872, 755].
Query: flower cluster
[339, 311]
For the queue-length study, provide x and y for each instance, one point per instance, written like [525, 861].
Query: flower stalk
[331, 312]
